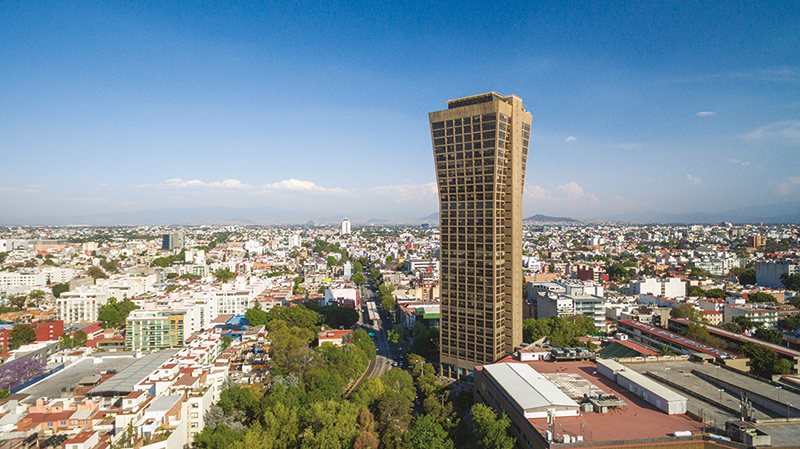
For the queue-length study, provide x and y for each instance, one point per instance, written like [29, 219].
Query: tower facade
[480, 146]
[346, 226]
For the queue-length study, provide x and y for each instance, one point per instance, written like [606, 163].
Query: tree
[21, 334]
[686, 311]
[110, 317]
[792, 282]
[96, 273]
[490, 431]
[80, 338]
[226, 342]
[36, 294]
[716, 293]
[359, 278]
[256, 317]
[763, 360]
[745, 323]
[427, 433]
[66, 341]
[58, 289]
[224, 275]
[770, 335]
[290, 348]
[748, 277]
[357, 266]
[696, 291]
[330, 261]
[17, 372]
[761, 297]
[396, 334]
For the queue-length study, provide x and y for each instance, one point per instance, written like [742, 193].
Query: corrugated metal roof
[529, 389]
[125, 380]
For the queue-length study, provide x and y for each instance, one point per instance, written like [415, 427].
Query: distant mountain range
[773, 214]
[221, 215]
[547, 219]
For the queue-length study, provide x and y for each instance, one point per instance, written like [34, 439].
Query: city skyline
[120, 108]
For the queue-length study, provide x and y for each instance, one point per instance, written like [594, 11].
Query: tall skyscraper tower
[480, 145]
[346, 226]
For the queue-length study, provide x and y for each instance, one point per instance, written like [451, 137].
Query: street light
[779, 393]
[788, 405]
[720, 394]
[667, 370]
[717, 367]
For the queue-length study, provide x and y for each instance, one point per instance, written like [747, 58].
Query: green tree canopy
[80, 338]
[224, 275]
[21, 334]
[792, 282]
[359, 278]
[748, 277]
[490, 431]
[761, 297]
[770, 335]
[96, 273]
[58, 289]
[687, 311]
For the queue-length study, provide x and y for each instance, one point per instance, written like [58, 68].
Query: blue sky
[322, 106]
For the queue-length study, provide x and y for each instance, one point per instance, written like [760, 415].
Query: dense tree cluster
[761, 297]
[167, 261]
[115, 313]
[698, 332]
[561, 331]
[764, 361]
[791, 281]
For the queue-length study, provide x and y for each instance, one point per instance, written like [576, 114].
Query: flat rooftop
[123, 382]
[637, 420]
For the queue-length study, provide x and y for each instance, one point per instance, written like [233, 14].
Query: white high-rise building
[346, 226]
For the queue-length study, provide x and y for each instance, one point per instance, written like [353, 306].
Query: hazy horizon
[318, 107]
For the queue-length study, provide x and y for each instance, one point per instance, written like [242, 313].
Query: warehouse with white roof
[526, 389]
[662, 397]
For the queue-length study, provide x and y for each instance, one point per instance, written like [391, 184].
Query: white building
[666, 288]
[345, 226]
[81, 306]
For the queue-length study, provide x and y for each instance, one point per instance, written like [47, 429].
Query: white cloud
[13, 190]
[407, 192]
[571, 138]
[226, 184]
[736, 161]
[785, 130]
[706, 113]
[296, 185]
[87, 200]
[694, 180]
[788, 185]
[570, 194]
